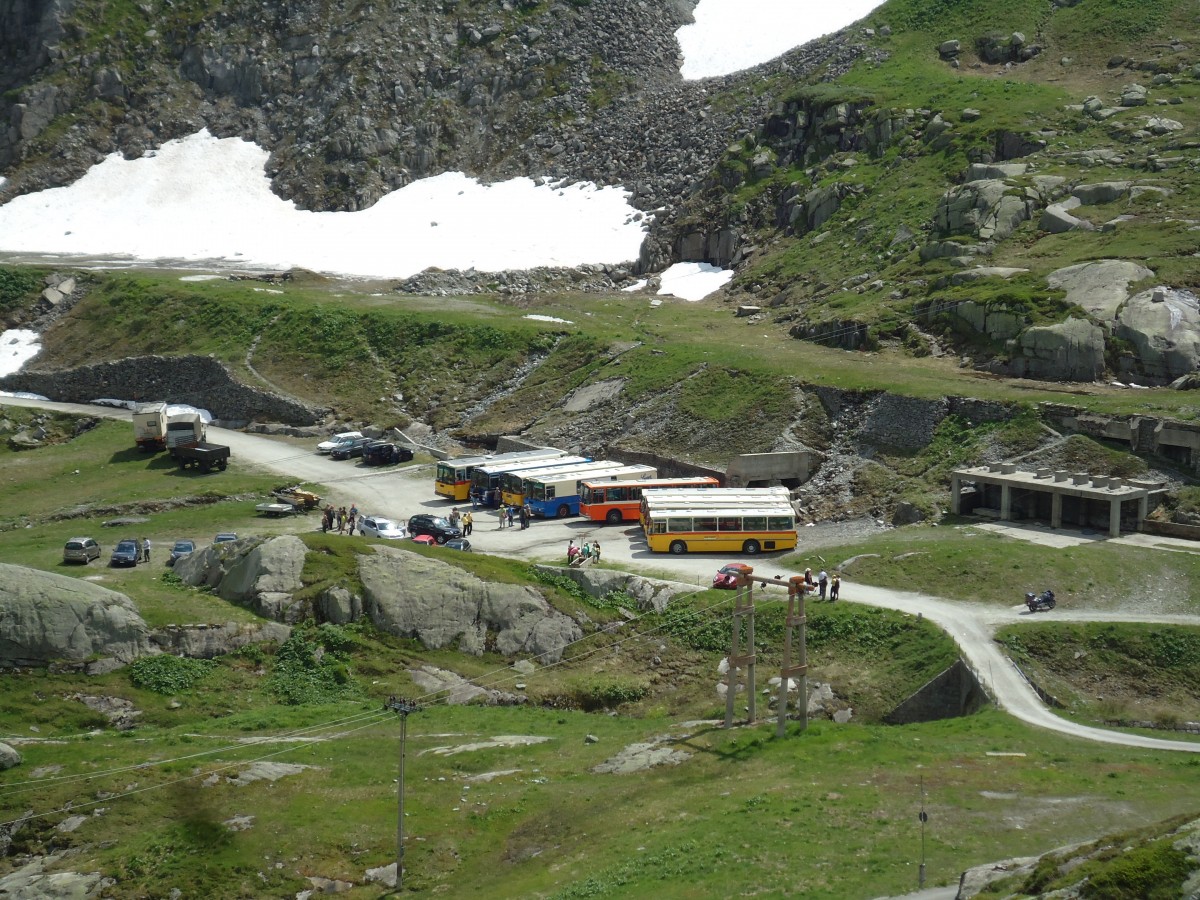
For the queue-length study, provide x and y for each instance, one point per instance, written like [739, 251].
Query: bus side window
[731, 524]
[781, 523]
[754, 523]
[617, 493]
[708, 523]
[675, 526]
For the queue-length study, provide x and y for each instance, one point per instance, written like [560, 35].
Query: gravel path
[402, 492]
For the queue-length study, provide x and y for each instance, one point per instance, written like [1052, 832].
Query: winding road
[401, 492]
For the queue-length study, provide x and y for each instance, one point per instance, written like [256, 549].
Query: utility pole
[403, 708]
[924, 818]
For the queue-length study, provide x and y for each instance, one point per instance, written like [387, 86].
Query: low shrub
[169, 674]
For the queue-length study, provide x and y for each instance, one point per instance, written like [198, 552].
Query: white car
[377, 526]
[345, 439]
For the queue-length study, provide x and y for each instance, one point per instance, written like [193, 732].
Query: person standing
[822, 583]
[834, 586]
[454, 517]
[596, 551]
[468, 522]
[341, 520]
[572, 550]
[352, 519]
[502, 514]
[511, 515]
[145, 549]
[524, 517]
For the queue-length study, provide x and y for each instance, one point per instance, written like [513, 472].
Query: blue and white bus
[556, 493]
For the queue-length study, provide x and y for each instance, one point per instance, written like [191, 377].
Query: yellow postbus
[745, 529]
[453, 477]
[687, 499]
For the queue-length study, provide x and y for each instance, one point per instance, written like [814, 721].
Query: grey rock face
[210, 641]
[45, 617]
[1100, 287]
[1068, 351]
[646, 592]
[409, 595]
[1163, 324]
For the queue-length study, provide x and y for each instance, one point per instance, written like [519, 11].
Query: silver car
[378, 526]
[81, 549]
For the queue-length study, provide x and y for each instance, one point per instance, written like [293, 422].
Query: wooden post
[795, 618]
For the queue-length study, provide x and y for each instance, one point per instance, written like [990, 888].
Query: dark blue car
[127, 553]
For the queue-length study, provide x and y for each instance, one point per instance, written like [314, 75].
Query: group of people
[339, 519]
[466, 520]
[826, 587]
[509, 515]
[589, 550]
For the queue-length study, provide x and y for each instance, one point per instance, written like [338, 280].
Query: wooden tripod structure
[743, 612]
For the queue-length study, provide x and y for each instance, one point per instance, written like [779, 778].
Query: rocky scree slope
[356, 100]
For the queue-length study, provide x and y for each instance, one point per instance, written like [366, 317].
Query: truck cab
[185, 429]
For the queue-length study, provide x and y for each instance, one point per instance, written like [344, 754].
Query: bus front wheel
[614, 517]
[678, 547]
[750, 547]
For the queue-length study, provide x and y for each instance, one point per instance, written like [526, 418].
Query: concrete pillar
[1143, 509]
[1005, 502]
[955, 492]
[1056, 510]
[1114, 517]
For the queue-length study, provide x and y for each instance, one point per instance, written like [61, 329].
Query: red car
[727, 575]
[426, 539]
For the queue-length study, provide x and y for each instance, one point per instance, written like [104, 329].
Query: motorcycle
[1039, 602]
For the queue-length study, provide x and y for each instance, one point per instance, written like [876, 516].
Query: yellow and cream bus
[485, 480]
[749, 528]
[686, 499]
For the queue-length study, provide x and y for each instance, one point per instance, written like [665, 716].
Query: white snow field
[731, 35]
[17, 347]
[207, 200]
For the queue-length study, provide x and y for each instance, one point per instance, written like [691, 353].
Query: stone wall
[955, 692]
[196, 380]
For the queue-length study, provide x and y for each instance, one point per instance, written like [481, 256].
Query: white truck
[185, 430]
[150, 425]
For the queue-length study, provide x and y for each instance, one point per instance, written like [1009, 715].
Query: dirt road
[401, 492]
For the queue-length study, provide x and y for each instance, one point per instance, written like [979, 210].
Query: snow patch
[731, 35]
[636, 286]
[17, 347]
[539, 318]
[693, 280]
[207, 198]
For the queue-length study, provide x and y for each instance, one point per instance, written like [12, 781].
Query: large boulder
[45, 617]
[1101, 286]
[8, 757]
[1163, 324]
[409, 595]
[259, 574]
[211, 641]
[987, 208]
[1068, 351]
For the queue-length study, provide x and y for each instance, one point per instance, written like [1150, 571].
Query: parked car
[127, 553]
[434, 526]
[459, 544]
[378, 526]
[225, 536]
[426, 539]
[181, 548]
[337, 440]
[727, 575]
[347, 449]
[81, 549]
[385, 453]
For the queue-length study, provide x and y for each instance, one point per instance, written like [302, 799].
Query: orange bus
[605, 501]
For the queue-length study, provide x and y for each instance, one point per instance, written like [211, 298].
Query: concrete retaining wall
[196, 380]
[1171, 529]
[955, 692]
